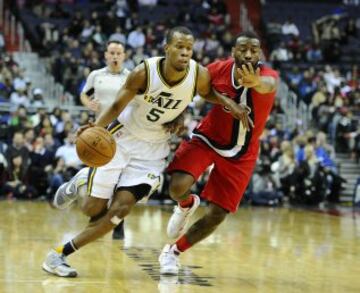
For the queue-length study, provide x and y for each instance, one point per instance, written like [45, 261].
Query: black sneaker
[118, 232]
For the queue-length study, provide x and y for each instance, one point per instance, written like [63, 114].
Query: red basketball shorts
[228, 179]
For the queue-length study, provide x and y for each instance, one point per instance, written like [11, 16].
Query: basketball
[95, 146]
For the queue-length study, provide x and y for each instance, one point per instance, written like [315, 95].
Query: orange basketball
[95, 146]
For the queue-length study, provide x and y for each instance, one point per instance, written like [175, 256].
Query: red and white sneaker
[180, 218]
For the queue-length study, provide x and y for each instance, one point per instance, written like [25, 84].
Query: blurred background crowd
[310, 149]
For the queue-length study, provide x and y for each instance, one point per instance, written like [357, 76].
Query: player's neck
[171, 75]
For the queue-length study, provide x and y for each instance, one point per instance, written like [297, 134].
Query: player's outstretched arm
[205, 90]
[251, 78]
[135, 83]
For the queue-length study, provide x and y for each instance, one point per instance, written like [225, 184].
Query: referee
[102, 85]
[101, 88]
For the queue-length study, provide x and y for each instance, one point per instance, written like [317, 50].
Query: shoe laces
[57, 259]
[170, 257]
[63, 261]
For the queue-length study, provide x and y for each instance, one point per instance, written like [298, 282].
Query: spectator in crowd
[87, 31]
[68, 153]
[98, 37]
[29, 136]
[17, 184]
[264, 188]
[310, 184]
[122, 11]
[18, 148]
[150, 3]
[290, 28]
[19, 119]
[118, 36]
[136, 38]
[314, 54]
[5, 87]
[41, 160]
[57, 174]
[38, 98]
[280, 54]
[19, 97]
[284, 168]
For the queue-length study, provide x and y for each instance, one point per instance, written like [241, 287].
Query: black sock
[120, 226]
[69, 248]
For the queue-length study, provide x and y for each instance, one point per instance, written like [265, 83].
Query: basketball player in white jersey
[155, 93]
[100, 91]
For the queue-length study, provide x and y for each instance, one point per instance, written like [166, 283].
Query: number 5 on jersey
[154, 114]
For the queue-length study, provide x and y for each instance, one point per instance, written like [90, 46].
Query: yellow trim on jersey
[163, 79]
[91, 179]
[116, 128]
[195, 81]
[147, 77]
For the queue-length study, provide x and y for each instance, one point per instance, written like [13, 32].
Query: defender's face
[246, 50]
[114, 55]
[180, 51]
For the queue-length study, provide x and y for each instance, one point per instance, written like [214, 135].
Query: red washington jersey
[225, 134]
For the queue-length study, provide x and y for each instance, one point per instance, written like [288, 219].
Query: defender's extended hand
[249, 77]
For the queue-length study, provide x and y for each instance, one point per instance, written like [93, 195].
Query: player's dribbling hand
[249, 76]
[81, 129]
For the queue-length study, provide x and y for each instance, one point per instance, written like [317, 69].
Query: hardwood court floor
[255, 250]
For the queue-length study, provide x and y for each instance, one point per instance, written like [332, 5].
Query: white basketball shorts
[135, 162]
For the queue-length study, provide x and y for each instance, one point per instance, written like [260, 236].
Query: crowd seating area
[316, 114]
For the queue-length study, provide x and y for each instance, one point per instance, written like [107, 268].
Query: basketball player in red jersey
[221, 140]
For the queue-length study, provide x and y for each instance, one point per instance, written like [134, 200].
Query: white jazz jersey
[145, 115]
[104, 85]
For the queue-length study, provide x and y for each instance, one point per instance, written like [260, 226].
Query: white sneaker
[169, 261]
[168, 283]
[180, 218]
[55, 263]
[68, 192]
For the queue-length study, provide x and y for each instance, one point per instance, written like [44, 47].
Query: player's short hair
[178, 29]
[248, 34]
[114, 42]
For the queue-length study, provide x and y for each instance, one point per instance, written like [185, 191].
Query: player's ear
[233, 52]
[166, 47]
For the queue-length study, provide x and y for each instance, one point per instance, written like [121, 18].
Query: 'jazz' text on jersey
[163, 100]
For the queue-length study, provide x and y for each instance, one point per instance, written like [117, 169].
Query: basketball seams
[104, 136]
[96, 146]
[94, 149]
